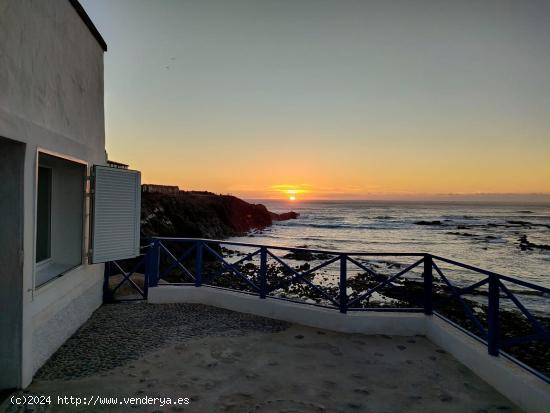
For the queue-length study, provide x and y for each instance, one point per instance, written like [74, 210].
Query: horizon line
[478, 200]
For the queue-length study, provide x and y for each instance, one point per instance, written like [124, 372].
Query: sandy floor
[297, 369]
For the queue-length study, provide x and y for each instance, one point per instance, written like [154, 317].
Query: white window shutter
[116, 214]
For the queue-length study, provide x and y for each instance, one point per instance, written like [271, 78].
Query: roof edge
[88, 22]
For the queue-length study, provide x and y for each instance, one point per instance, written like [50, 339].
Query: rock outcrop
[202, 215]
[284, 216]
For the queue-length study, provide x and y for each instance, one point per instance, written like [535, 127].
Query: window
[59, 216]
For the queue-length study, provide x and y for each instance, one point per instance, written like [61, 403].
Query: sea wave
[474, 234]
[338, 226]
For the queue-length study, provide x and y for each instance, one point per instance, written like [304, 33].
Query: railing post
[198, 264]
[106, 287]
[343, 283]
[263, 272]
[428, 284]
[493, 333]
[152, 264]
[146, 274]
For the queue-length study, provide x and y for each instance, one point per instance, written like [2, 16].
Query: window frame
[85, 209]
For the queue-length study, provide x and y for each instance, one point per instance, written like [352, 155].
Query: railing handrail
[516, 280]
[509, 278]
[278, 247]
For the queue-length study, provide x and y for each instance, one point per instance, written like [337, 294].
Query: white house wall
[52, 69]
[51, 97]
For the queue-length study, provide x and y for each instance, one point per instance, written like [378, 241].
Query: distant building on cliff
[117, 165]
[161, 189]
[63, 211]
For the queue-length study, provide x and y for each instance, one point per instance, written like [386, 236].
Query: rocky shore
[523, 242]
[203, 215]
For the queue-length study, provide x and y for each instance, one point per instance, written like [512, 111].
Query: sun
[291, 192]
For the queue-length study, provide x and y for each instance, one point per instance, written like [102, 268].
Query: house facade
[52, 137]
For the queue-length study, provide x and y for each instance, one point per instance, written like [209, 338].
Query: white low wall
[398, 324]
[518, 385]
[60, 308]
[523, 388]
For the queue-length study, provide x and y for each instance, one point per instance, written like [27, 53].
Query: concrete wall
[51, 97]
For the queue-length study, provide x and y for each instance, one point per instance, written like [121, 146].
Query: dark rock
[285, 216]
[303, 267]
[323, 256]
[520, 223]
[463, 234]
[525, 244]
[527, 224]
[428, 223]
[300, 255]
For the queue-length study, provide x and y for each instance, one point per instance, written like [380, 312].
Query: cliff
[202, 215]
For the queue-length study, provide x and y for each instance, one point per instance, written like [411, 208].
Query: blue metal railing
[201, 262]
[135, 267]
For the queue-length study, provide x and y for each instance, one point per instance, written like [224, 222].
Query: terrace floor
[232, 362]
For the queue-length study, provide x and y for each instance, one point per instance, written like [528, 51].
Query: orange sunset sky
[330, 99]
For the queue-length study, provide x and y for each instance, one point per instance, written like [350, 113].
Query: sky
[318, 99]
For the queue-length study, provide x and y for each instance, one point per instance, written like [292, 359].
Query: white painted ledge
[523, 388]
[527, 391]
[373, 322]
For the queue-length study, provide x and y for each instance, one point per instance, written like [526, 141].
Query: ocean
[483, 235]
